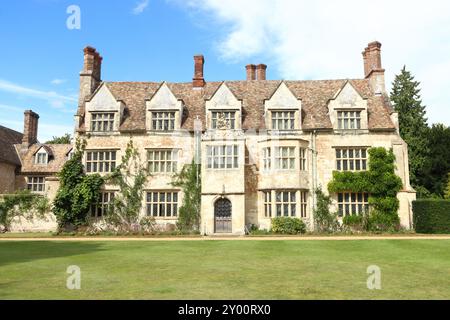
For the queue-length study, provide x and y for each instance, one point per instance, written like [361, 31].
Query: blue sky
[155, 40]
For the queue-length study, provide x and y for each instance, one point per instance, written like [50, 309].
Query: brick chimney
[373, 69]
[261, 71]
[251, 72]
[198, 81]
[372, 58]
[30, 128]
[90, 76]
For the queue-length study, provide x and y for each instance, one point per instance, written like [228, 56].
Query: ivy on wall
[382, 185]
[77, 191]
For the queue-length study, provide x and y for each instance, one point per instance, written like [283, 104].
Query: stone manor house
[264, 145]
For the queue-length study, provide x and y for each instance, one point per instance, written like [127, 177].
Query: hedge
[432, 216]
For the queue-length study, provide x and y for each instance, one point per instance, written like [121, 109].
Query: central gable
[164, 99]
[223, 99]
[283, 98]
[103, 100]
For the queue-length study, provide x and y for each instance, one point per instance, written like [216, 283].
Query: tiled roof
[57, 158]
[8, 138]
[314, 95]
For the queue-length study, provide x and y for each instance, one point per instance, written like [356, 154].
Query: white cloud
[58, 81]
[56, 100]
[324, 39]
[140, 7]
[11, 108]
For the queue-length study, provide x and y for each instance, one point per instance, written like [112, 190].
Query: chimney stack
[372, 58]
[30, 128]
[261, 71]
[373, 70]
[90, 76]
[198, 81]
[251, 72]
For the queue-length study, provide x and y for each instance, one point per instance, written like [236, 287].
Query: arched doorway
[222, 216]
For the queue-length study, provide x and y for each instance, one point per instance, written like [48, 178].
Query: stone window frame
[230, 116]
[36, 184]
[173, 161]
[352, 203]
[104, 204]
[276, 119]
[223, 157]
[41, 157]
[159, 120]
[271, 203]
[280, 157]
[267, 158]
[164, 204]
[90, 162]
[351, 161]
[102, 121]
[349, 116]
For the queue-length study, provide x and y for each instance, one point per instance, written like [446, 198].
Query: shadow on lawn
[26, 251]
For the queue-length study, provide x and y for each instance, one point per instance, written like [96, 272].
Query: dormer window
[349, 120]
[223, 120]
[164, 111]
[283, 111]
[41, 158]
[163, 121]
[283, 120]
[102, 122]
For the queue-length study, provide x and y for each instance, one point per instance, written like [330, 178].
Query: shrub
[431, 216]
[355, 223]
[287, 225]
[324, 220]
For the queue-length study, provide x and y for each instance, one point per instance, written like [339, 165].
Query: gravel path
[231, 238]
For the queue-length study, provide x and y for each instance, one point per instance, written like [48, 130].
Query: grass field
[416, 269]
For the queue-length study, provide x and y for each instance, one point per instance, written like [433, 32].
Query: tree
[447, 190]
[434, 175]
[413, 125]
[65, 139]
[189, 180]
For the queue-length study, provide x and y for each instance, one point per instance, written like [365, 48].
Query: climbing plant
[130, 177]
[77, 191]
[382, 185]
[324, 219]
[189, 213]
[22, 204]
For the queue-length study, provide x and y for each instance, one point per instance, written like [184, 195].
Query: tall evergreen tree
[405, 95]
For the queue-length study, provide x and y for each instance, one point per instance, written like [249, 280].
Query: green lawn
[416, 269]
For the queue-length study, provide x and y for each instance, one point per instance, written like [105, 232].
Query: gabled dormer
[103, 112]
[164, 112]
[43, 155]
[223, 110]
[348, 109]
[283, 111]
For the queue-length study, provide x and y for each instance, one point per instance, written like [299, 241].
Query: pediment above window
[283, 98]
[164, 99]
[348, 97]
[223, 99]
[103, 100]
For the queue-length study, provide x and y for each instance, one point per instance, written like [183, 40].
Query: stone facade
[263, 145]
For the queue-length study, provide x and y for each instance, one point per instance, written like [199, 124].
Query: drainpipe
[313, 173]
